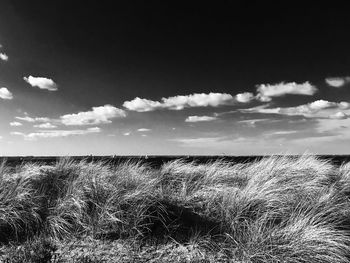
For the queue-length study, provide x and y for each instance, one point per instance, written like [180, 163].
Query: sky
[173, 78]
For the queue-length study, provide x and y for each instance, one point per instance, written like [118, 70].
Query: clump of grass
[19, 209]
[37, 250]
[117, 198]
[278, 209]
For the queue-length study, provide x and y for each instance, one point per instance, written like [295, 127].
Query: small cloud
[46, 125]
[94, 129]
[316, 109]
[337, 82]
[143, 135]
[5, 94]
[15, 123]
[267, 91]
[41, 83]
[197, 142]
[98, 115]
[180, 102]
[200, 118]
[142, 105]
[252, 122]
[56, 133]
[26, 118]
[4, 57]
[126, 133]
[244, 97]
[339, 115]
[143, 130]
[17, 133]
[282, 132]
[35, 119]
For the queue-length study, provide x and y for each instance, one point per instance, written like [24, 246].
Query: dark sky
[108, 52]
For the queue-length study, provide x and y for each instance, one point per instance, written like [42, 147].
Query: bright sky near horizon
[162, 78]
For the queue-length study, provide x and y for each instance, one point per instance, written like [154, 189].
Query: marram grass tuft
[278, 209]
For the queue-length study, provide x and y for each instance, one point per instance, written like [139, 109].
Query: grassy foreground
[279, 209]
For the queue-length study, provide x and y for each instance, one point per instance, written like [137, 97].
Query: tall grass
[278, 209]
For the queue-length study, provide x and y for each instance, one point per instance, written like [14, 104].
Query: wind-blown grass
[278, 209]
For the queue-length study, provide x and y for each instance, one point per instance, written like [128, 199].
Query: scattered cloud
[142, 105]
[17, 133]
[98, 115]
[35, 119]
[197, 100]
[46, 125]
[316, 109]
[55, 133]
[200, 118]
[266, 91]
[41, 83]
[252, 122]
[337, 82]
[5, 94]
[15, 123]
[4, 57]
[197, 140]
[143, 130]
[244, 97]
[203, 142]
[187, 101]
[126, 133]
[281, 133]
[338, 115]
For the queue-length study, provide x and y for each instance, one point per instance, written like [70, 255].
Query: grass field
[278, 209]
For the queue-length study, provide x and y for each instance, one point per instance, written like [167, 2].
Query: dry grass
[278, 209]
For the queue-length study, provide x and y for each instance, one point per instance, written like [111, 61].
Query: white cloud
[267, 91]
[4, 57]
[337, 82]
[339, 115]
[143, 130]
[197, 100]
[46, 125]
[252, 122]
[5, 94]
[15, 123]
[142, 105]
[35, 119]
[244, 97]
[281, 133]
[198, 142]
[199, 118]
[316, 109]
[126, 133]
[41, 83]
[56, 133]
[17, 133]
[187, 101]
[98, 115]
